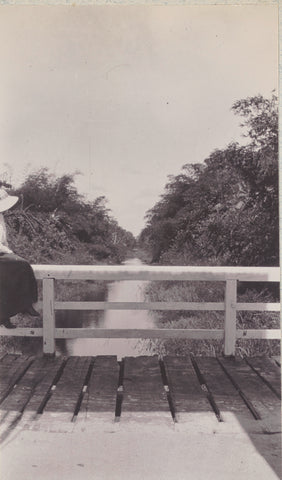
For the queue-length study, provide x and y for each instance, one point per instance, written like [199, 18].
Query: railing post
[48, 316]
[230, 317]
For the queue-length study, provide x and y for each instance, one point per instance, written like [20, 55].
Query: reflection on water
[123, 291]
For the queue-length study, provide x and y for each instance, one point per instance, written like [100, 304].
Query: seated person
[18, 288]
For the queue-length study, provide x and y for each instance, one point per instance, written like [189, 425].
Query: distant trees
[224, 211]
[53, 223]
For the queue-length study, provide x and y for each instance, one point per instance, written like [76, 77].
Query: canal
[122, 291]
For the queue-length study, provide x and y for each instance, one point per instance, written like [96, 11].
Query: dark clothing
[18, 288]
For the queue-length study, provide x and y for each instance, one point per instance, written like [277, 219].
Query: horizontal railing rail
[144, 272]
[230, 275]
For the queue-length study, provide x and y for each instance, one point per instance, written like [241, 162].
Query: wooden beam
[21, 332]
[184, 387]
[210, 306]
[143, 389]
[102, 387]
[257, 395]
[48, 316]
[268, 371]
[144, 272]
[219, 306]
[202, 333]
[230, 317]
[258, 307]
[69, 387]
[270, 334]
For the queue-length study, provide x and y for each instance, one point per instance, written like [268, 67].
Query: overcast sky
[127, 94]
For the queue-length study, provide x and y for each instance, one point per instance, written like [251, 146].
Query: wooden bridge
[202, 396]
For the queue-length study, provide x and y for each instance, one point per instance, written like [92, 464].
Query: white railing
[230, 275]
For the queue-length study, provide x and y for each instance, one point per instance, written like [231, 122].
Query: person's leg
[18, 288]
[6, 322]
[31, 311]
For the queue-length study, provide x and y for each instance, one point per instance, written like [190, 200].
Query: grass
[209, 292]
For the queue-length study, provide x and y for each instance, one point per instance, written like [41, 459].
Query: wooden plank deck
[12, 367]
[186, 392]
[69, 387]
[30, 390]
[143, 385]
[258, 394]
[222, 392]
[101, 390]
[83, 388]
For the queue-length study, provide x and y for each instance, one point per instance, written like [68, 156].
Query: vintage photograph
[139, 242]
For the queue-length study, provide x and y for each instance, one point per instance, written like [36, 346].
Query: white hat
[6, 201]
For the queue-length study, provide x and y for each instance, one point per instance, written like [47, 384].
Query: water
[123, 291]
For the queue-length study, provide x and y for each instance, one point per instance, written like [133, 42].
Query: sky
[127, 95]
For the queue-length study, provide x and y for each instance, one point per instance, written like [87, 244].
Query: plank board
[256, 391]
[225, 395]
[102, 386]
[195, 333]
[12, 368]
[145, 272]
[69, 386]
[143, 386]
[185, 389]
[139, 306]
[33, 386]
[269, 372]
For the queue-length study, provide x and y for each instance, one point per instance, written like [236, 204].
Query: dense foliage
[52, 223]
[224, 211]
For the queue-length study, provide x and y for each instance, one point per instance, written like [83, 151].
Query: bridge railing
[230, 275]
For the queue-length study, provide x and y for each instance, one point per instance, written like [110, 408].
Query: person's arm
[4, 249]
[3, 239]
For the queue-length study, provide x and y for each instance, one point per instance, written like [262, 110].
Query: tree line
[53, 223]
[223, 211]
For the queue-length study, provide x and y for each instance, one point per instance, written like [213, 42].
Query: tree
[260, 118]
[224, 211]
[53, 222]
